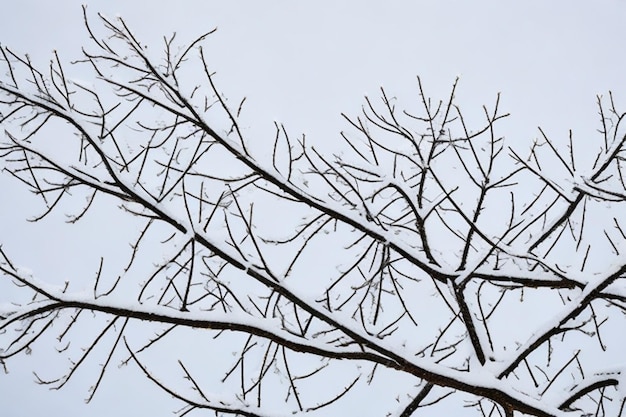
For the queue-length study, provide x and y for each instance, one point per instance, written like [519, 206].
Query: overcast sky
[303, 63]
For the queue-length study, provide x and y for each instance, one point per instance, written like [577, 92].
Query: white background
[303, 63]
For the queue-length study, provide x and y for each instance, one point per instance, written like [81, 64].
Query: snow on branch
[427, 250]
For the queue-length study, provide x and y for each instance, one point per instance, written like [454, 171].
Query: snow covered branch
[426, 250]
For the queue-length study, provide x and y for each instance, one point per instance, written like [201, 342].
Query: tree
[403, 256]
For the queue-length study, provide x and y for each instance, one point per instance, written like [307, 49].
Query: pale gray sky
[303, 63]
